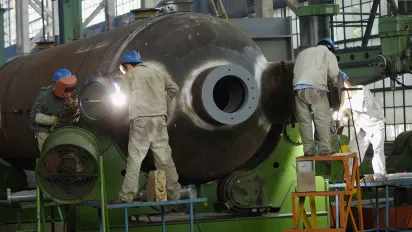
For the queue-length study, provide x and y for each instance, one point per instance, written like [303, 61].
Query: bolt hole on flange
[225, 95]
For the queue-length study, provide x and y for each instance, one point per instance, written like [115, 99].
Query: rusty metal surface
[278, 101]
[180, 44]
[335, 93]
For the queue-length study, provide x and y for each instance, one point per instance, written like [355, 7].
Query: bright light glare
[118, 99]
[336, 115]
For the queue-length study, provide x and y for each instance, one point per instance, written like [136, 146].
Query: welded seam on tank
[10, 81]
[74, 52]
[87, 55]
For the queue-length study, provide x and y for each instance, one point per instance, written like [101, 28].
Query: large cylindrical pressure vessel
[215, 123]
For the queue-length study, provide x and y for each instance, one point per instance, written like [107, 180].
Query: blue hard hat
[328, 42]
[345, 76]
[132, 56]
[61, 73]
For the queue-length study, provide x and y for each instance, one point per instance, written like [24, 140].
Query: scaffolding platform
[380, 185]
[126, 206]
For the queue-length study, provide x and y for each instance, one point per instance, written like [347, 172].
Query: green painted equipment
[396, 42]
[68, 169]
[70, 20]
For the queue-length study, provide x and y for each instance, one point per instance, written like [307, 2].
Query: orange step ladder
[345, 212]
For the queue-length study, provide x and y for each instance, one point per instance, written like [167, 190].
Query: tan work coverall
[146, 90]
[314, 67]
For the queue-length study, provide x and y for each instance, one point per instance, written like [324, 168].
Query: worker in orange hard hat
[54, 106]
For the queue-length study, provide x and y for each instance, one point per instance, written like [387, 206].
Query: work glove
[345, 76]
[71, 103]
[53, 122]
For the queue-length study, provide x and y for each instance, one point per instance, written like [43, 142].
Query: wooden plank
[338, 156]
[306, 182]
[156, 186]
[306, 177]
[320, 193]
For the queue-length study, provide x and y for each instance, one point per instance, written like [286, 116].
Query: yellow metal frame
[352, 183]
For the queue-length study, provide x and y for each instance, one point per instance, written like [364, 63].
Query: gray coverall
[314, 68]
[369, 121]
[146, 89]
[44, 107]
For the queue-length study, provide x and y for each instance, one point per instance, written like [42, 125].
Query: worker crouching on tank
[146, 90]
[315, 68]
[369, 121]
[54, 106]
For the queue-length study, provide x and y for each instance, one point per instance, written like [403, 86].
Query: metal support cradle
[162, 204]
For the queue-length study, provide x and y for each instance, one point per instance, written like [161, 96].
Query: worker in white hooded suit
[369, 122]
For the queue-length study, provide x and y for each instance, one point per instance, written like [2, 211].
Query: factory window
[125, 6]
[349, 26]
[94, 9]
[393, 98]
[9, 24]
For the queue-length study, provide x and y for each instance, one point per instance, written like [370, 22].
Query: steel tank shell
[182, 45]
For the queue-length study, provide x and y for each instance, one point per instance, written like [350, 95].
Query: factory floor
[27, 227]
[400, 217]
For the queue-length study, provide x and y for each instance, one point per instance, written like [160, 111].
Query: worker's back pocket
[139, 124]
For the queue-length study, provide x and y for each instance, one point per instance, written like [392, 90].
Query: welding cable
[197, 222]
[61, 218]
[360, 161]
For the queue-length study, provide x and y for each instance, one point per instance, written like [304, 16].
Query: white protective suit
[369, 121]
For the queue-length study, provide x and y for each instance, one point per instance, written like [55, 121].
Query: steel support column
[22, 27]
[369, 26]
[293, 5]
[56, 31]
[110, 14]
[393, 5]
[2, 49]
[70, 20]
[264, 8]
[383, 7]
[35, 4]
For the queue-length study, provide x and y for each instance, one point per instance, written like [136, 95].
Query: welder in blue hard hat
[315, 68]
[54, 106]
[146, 90]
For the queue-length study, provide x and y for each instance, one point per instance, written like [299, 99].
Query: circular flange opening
[228, 94]
[95, 104]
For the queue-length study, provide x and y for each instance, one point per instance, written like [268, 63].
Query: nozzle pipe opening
[225, 95]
